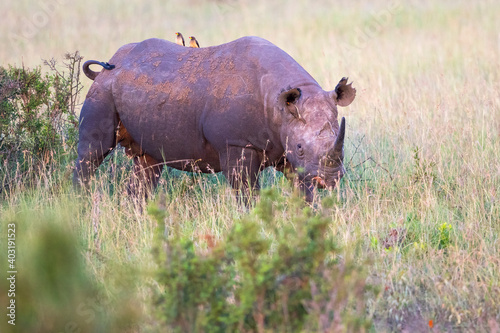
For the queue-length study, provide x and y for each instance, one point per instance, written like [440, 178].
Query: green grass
[427, 81]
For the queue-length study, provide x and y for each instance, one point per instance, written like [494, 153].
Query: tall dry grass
[423, 141]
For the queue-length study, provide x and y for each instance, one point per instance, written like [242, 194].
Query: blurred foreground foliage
[268, 273]
[54, 289]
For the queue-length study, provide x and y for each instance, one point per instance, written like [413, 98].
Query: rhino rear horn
[344, 93]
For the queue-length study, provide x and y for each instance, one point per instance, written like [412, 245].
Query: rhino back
[188, 103]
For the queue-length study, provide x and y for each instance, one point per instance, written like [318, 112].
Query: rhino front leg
[98, 123]
[147, 172]
[241, 166]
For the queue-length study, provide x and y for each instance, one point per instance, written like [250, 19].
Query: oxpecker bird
[179, 40]
[193, 42]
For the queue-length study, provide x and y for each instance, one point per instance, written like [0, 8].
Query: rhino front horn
[336, 151]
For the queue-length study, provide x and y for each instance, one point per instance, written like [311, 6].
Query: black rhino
[237, 108]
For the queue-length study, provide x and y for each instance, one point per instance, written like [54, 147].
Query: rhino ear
[288, 99]
[344, 93]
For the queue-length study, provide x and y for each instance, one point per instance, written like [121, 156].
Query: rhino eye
[300, 150]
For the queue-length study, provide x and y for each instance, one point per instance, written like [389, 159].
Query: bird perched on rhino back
[180, 39]
[193, 42]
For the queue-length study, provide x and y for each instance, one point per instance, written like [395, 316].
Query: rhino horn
[336, 151]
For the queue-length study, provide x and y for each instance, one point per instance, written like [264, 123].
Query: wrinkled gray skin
[237, 108]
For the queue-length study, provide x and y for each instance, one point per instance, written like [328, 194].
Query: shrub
[277, 269]
[38, 122]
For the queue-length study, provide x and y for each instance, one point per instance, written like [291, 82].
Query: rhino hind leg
[98, 122]
[147, 172]
[241, 166]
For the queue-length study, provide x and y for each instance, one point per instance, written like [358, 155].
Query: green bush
[38, 122]
[277, 269]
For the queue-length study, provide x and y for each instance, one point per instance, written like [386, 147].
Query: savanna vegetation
[409, 241]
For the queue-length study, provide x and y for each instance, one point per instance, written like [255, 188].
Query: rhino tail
[90, 73]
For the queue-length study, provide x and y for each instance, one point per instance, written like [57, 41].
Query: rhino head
[312, 135]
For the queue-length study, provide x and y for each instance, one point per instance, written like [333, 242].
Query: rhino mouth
[318, 182]
[322, 182]
[313, 181]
